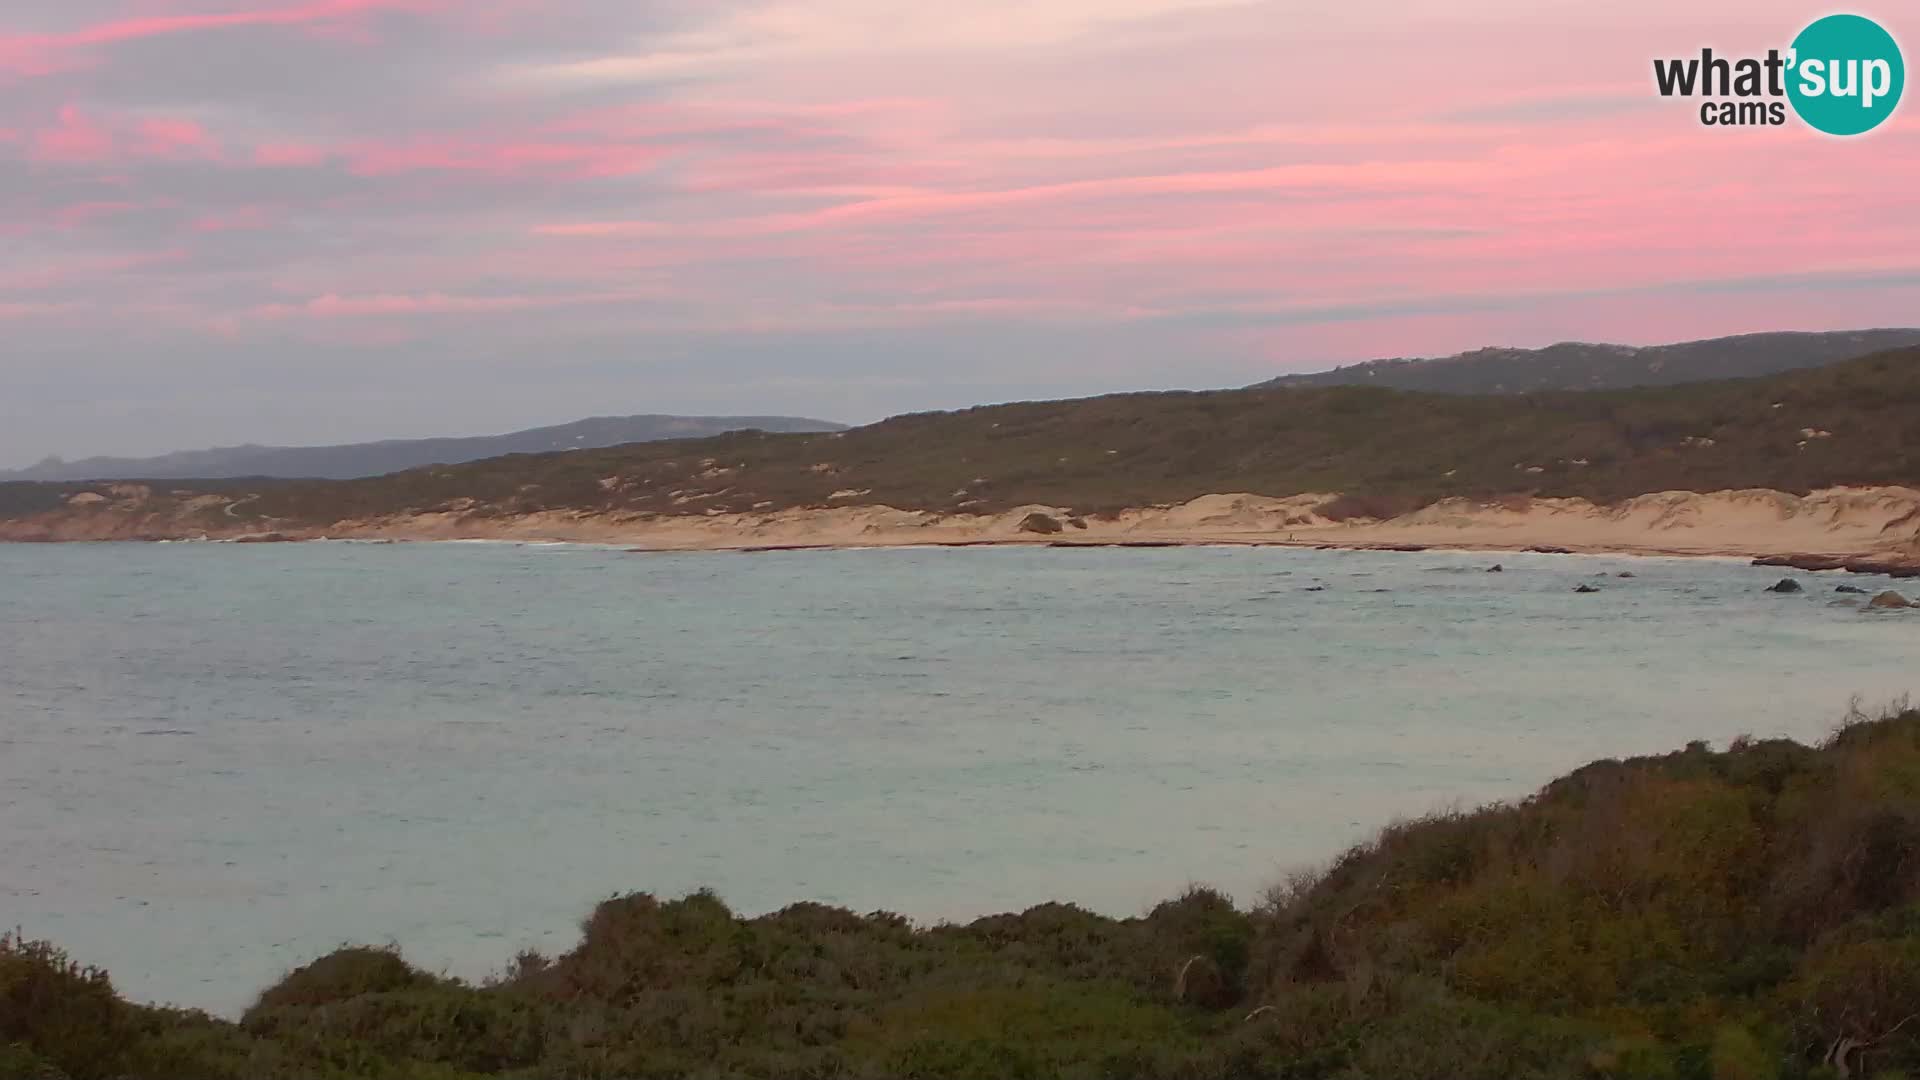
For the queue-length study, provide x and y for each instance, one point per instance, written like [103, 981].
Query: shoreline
[1181, 986]
[1877, 529]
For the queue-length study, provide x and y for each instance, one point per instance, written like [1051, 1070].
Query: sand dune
[1849, 523]
[1842, 522]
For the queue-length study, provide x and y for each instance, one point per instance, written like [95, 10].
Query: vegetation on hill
[391, 455]
[1573, 365]
[1852, 423]
[1750, 913]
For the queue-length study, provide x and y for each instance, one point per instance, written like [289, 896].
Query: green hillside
[1576, 365]
[1851, 423]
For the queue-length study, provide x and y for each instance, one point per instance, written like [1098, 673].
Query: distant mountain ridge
[1572, 365]
[357, 460]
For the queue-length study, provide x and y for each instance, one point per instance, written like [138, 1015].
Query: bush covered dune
[1738, 915]
[1847, 424]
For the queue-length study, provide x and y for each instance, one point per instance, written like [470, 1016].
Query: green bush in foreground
[1752, 914]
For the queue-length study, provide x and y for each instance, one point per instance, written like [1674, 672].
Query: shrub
[1737, 1055]
[1866, 992]
[19, 1063]
[58, 1014]
[1742, 915]
[341, 975]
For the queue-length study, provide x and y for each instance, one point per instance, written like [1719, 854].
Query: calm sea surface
[218, 762]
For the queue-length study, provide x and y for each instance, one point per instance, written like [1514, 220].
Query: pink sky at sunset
[232, 220]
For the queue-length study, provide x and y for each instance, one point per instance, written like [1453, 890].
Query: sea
[218, 761]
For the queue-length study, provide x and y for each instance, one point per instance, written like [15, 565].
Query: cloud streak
[926, 206]
[48, 53]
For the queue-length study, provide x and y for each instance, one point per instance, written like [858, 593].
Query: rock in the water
[1900, 569]
[1586, 588]
[1801, 562]
[1624, 574]
[1496, 568]
[1044, 524]
[1890, 600]
[1854, 589]
[1549, 549]
[1785, 585]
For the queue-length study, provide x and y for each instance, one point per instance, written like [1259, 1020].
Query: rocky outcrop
[1810, 563]
[1890, 601]
[1887, 568]
[1821, 563]
[1785, 585]
[1043, 524]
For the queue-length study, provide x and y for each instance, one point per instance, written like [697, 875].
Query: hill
[1581, 366]
[1753, 912]
[1386, 451]
[392, 455]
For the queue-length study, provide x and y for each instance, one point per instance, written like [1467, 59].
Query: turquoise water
[217, 761]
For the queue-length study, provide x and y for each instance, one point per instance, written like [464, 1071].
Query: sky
[312, 221]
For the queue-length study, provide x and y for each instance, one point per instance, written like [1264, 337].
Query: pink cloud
[375, 305]
[42, 54]
[74, 140]
[335, 305]
[1008, 305]
[503, 158]
[429, 303]
[79, 214]
[83, 269]
[239, 219]
[11, 310]
[77, 138]
[1186, 173]
[1498, 216]
[287, 155]
[166, 138]
[911, 205]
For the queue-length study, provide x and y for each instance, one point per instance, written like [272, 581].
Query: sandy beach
[1880, 524]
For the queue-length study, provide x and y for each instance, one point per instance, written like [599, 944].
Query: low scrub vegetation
[1745, 914]
[1850, 423]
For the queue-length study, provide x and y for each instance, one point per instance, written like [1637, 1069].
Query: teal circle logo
[1845, 75]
